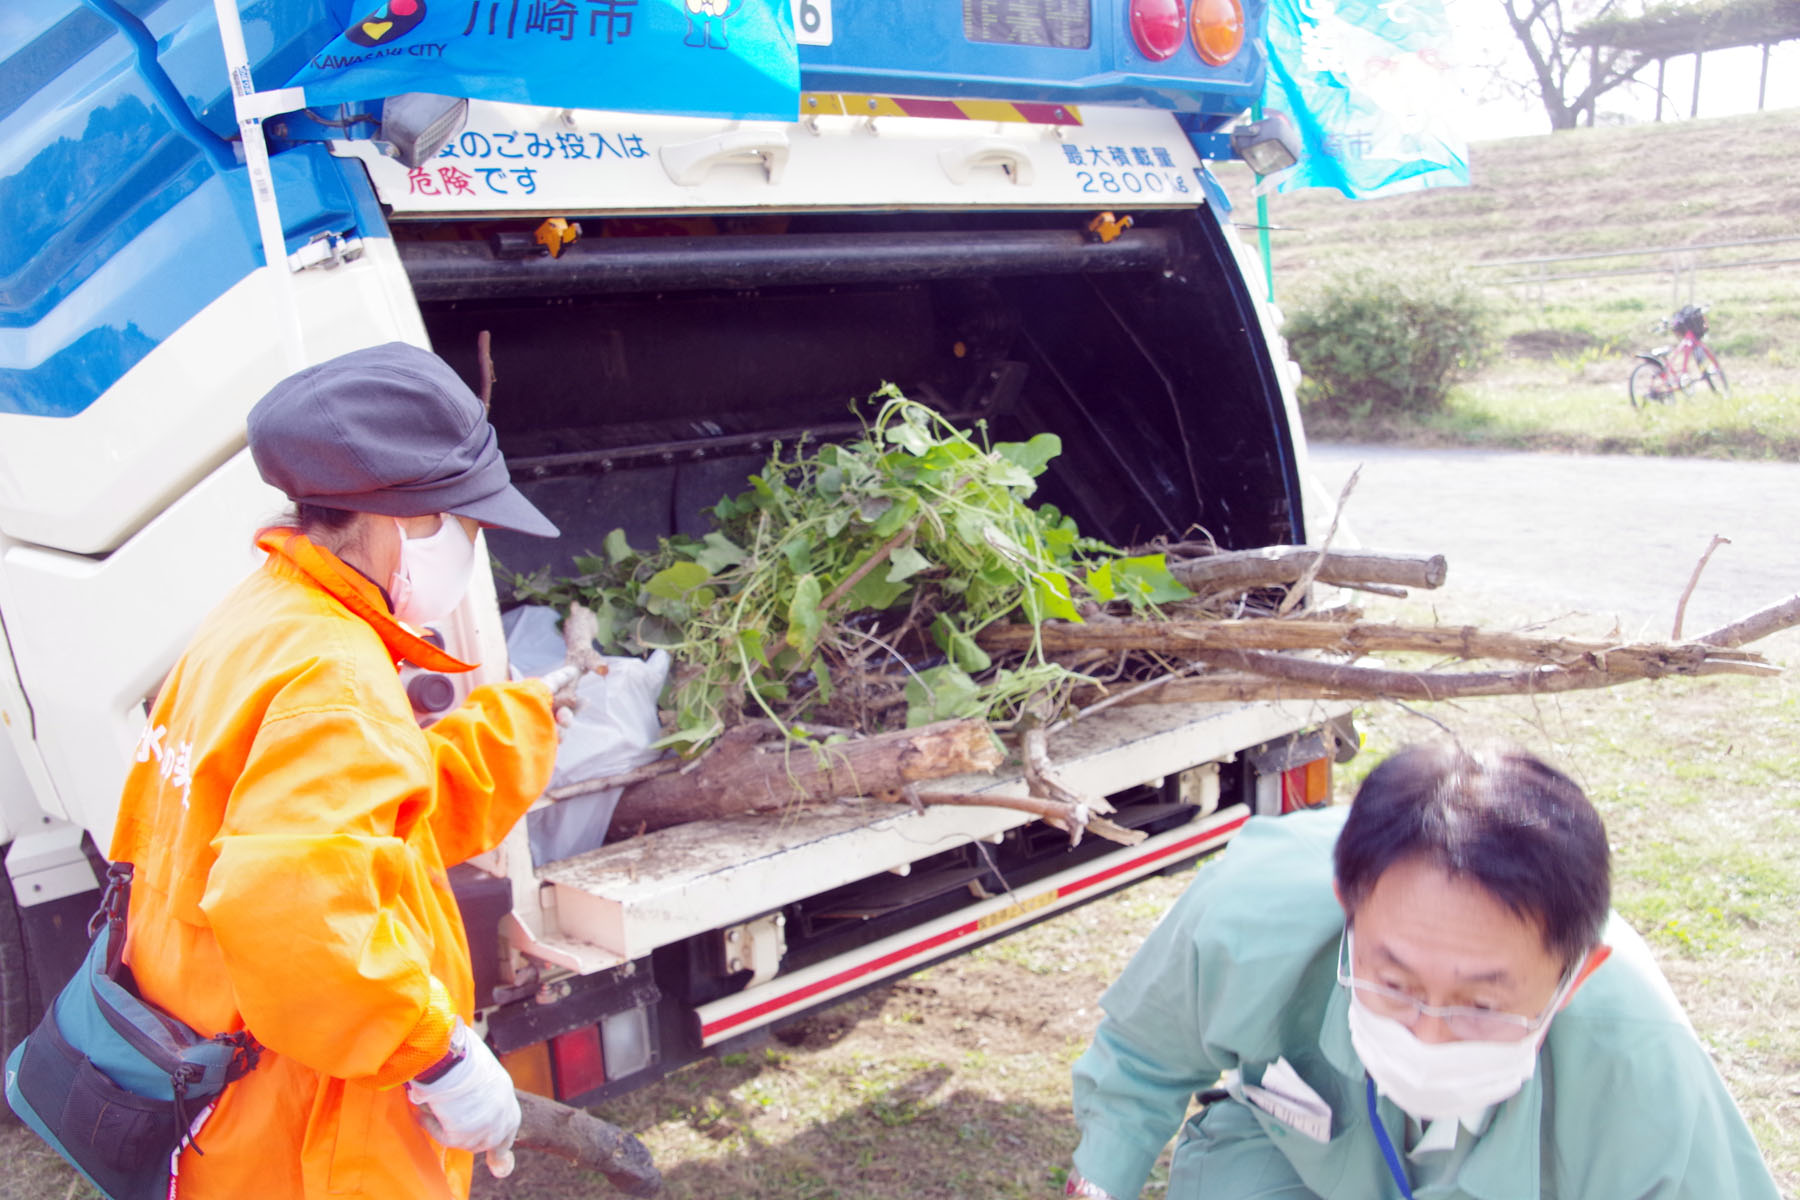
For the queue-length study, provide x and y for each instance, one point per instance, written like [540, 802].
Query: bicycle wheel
[1649, 382]
[1708, 364]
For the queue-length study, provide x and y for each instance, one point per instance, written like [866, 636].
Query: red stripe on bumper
[860, 970]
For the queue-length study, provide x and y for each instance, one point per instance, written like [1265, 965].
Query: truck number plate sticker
[1013, 912]
[1065, 24]
[517, 158]
[812, 22]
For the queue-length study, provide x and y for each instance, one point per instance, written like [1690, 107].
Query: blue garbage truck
[652, 297]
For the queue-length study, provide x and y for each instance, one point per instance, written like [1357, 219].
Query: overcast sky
[1727, 79]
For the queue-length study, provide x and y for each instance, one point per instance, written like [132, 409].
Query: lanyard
[1387, 1145]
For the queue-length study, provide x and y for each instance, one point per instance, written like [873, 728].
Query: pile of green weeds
[842, 593]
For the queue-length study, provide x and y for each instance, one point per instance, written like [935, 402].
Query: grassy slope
[1565, 347]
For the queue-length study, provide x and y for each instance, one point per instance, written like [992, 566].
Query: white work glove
[561, 677]
[471, 1106]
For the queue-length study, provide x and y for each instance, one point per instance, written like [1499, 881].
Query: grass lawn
[953, 1084]
[1582, 408]
[1563, 348]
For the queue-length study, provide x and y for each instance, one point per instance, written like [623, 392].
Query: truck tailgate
[630, 897]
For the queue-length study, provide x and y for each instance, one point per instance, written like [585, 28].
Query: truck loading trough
[648, 369]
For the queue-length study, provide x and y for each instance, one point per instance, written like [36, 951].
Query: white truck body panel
[179, 413]
[570, 162]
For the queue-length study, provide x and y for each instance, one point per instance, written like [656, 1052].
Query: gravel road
[1546, 534]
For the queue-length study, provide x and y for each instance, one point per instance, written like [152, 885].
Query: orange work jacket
[290, 825]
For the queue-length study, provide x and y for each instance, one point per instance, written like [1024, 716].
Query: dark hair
[316, 517]
[1498, 817]
[327, 527]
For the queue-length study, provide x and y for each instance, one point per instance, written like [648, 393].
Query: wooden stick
[580, 628]
[587, 1141]
[1758, 625]
[1041, 777]
[1241, 570]
[1264, 676]
[1195, 639]
[868, 564]
[1379, 589]
[1058, 814]
[1693, 580]
[1297, 593]
[568, 791]
[742, 780]
[1123, 697]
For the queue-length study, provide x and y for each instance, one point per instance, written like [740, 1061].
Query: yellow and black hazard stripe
[1016, 111]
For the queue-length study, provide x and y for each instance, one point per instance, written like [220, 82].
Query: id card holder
[1286, 1097]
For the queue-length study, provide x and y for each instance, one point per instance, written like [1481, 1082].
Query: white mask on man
[1433, 1080]
[433, 573]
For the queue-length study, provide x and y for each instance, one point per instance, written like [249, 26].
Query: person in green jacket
[1424, 994]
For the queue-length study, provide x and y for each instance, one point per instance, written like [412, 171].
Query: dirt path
[1546, 533]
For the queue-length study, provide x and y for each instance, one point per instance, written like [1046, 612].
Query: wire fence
[1682, 265]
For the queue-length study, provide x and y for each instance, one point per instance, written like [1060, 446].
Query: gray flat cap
[391, 430]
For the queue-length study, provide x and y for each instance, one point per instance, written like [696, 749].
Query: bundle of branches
[869, 615]
[841, 592]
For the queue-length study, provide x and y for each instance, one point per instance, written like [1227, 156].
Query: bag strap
[115, 904]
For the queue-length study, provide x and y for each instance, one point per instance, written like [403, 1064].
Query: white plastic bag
[610, 732]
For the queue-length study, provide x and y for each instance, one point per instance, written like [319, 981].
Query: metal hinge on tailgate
[326, 250]
[755, 946]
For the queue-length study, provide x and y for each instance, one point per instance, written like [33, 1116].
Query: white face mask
[1433, 1080]
[433, 573]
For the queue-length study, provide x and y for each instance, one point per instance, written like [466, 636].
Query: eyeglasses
[1466, 1024]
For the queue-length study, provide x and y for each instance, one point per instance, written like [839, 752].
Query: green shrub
[1387, 345]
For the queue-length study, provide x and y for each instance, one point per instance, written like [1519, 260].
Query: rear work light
[1218, 29]
[1156, 27]
[586, 1058]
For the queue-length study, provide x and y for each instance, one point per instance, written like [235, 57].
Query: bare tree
[1569, 78]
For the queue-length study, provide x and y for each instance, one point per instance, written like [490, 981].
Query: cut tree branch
[740, 779]
[868, 564]
[1759, 624]
[1241, 570]
[587, 1141]
[1040, 776]
[1068, 818]
[1693, 582]
[1198, 639]
[1259, 675]
[662, 766]
[1297, 593]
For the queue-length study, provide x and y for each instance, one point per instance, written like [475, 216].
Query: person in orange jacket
[291, 823]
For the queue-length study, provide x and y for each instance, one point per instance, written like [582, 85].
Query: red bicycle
[1669, 369]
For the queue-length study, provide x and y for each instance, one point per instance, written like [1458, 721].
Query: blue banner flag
[733, 58]
[1370, 86]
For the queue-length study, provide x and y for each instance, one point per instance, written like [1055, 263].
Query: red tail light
[1157, 26]
[580, 1068]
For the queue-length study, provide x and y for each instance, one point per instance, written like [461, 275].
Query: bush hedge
[1373, 345]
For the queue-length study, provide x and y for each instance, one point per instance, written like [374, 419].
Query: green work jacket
[1243, 972]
